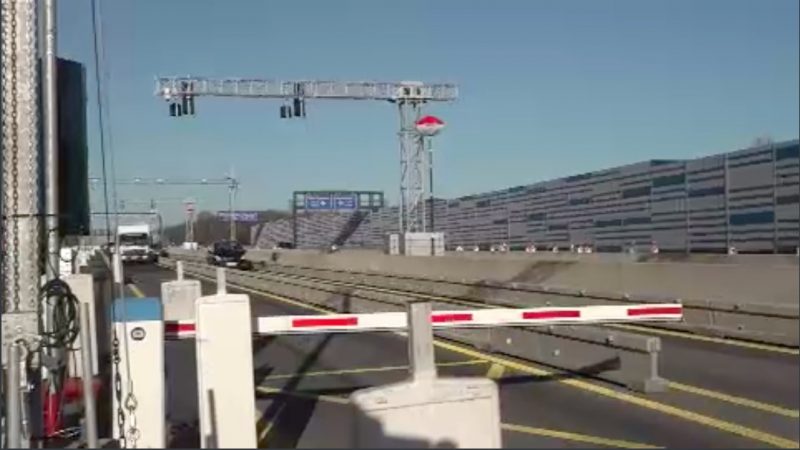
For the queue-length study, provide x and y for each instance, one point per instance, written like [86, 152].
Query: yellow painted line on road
[265, 426]
[678, 334]
[495, 371]
[569, 436]
[323, 373]
[708, 421]
[299, 394]
[136, 291]
[715, 340]
[766, 407]
[383, 290]
[535, 431]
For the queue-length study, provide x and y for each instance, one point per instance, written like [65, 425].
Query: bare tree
[762, 140]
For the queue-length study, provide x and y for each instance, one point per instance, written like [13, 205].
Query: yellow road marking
[265, 426]
[383, 290]
[766, 407]
[663, 408]
[326, 398]
[711, 422]
[136, 291]
[471, 362]
[495, 371]
[678, 334]
[565, 435]
[716, 340]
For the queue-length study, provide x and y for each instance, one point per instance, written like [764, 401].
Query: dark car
[228, 254]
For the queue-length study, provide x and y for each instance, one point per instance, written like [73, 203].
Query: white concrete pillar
[225, 385]
[179, 297]
[82, 285]
[140, 328]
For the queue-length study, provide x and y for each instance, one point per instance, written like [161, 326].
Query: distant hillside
[208, 228]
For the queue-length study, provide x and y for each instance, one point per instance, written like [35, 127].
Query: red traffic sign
[429, 125]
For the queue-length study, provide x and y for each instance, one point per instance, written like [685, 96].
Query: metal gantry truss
[180, 93]
[229, 181]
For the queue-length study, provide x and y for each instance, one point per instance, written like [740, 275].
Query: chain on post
[130, 405]
[10, 150]
[30, 123]
[118, 389]
[129, 436]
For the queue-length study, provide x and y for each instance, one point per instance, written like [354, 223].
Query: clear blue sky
[548, 88]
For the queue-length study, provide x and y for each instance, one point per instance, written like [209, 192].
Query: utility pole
[52, 210]
[189, 233]
[181, 92]
[231, 203]
[50, 102]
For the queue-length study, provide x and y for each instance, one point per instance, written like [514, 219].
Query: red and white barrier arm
[388, 321]
[179, 329]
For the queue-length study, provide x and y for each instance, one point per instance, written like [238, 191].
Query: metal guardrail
[621, 357]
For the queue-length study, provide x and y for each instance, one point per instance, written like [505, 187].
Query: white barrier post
[225, 385]
[140, 330]
[179, 297]
[426, 411]
[82, 285]
[221, 282]
[420, 345]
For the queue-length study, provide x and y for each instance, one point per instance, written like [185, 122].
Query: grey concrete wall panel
[750, 176]
[767, 323]
[466, 224]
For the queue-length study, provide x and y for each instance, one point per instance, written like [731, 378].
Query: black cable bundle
[64, 308]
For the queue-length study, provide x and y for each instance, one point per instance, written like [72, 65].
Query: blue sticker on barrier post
[135, 309]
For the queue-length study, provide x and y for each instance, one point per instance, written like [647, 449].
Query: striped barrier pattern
[388, 321]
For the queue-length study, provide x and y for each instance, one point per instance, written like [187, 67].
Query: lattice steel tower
[409, 96]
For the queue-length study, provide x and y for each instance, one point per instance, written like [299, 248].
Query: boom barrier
[222, 327]
[391, 321]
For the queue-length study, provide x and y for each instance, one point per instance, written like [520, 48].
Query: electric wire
[101, 123]
[64, 306]
[100, 58]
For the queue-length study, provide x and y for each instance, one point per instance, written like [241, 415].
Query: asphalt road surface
[722, 395]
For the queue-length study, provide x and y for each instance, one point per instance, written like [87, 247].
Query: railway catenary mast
[409, 96]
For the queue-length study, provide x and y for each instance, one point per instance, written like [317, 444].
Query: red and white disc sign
[429, 125]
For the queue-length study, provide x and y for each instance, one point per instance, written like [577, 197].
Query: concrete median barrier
[773, 319]
[761, 322]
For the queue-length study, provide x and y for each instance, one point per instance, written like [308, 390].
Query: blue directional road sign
[317, 202]
[239, 216]
[344, 202]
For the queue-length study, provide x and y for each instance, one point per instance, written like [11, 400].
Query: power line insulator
[172, 109]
